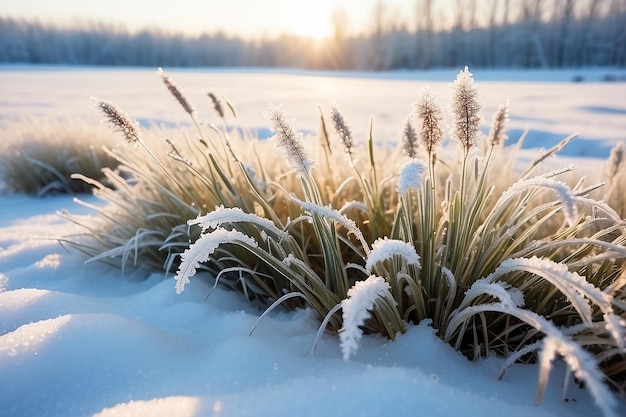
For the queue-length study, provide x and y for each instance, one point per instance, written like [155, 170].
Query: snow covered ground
[82, 339]
[546, 102]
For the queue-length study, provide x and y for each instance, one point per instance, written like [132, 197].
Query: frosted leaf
[572, 285]
[202, 249]
[616, 326]
[383, 249]
[509, 296]
[602, 207]
[582, 364]
[356, 309]
[555, 342]
[563, 192]
[411, 175]
[222, 215]
[336, 216]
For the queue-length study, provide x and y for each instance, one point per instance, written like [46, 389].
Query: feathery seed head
[497, 132]
[411, 175]
[430, 115]
[177, 93]
[217, 104]
[342, 128]
[288, 140]
[120, 122]
[409, 139]
[616, 161]
[465, 107]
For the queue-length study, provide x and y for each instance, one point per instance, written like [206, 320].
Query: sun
[311, 18]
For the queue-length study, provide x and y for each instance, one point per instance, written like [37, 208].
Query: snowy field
[546, 102]
[81, 339]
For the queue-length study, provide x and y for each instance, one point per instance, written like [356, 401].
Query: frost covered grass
[501, 257]
[39, 155]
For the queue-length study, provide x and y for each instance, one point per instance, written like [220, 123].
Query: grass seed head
[177, 93]
[497, 134]
[430, 115]
[465, 107]
[288, 140]
[409, 139]
[615, 161]
[119, 121]
[217, 104]
[342, 127]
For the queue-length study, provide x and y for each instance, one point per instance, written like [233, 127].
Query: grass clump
[500, 257]
[39, 155]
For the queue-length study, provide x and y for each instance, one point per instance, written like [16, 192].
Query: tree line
[503, 34]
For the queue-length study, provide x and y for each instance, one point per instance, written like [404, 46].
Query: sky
[246, 18]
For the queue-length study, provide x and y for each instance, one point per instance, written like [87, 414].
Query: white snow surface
[81, 339]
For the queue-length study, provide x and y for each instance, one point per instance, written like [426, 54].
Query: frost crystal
[361, 299]
[509, 296]
[336, 216]
[201, 251]
[563, 192]
[411, 175]
[582, 364]
[576, 288]
[383, 249]
[222, 215]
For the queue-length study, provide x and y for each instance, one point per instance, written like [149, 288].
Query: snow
[545, 101]
[82, 339]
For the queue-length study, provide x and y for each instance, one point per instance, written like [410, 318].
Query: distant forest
[520, 34]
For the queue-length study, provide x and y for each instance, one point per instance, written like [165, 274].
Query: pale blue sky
[241, 17]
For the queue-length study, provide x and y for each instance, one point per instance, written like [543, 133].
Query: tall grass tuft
[39, 155]
[500, 258]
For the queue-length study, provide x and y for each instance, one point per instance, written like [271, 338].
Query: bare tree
[424, 29]
[565, 17]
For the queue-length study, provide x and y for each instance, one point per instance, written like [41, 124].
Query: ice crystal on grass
[508, 295]
[411, 175]
[356, 309]
[582, 364]
[562, 190]
[201, 250]
[616, 326]
[572, 285]
[383, 249]
[222, 215]
[334, 215]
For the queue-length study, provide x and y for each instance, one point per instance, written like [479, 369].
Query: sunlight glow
[311, 19]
